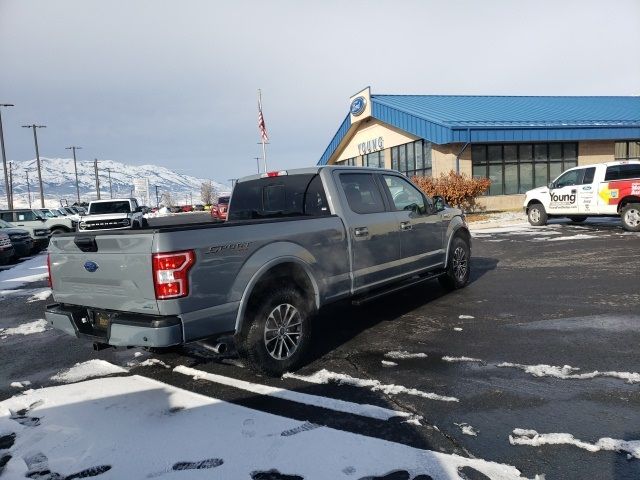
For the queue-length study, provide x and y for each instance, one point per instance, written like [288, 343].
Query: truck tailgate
[113, 273]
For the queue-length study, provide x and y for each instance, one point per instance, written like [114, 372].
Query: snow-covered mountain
[58, 178]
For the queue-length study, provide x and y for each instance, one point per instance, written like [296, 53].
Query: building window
[375, 159]
[516, 168]
[349, 161]
[627, 150]
[412, 159]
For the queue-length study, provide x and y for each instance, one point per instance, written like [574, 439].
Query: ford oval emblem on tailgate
[90, 266]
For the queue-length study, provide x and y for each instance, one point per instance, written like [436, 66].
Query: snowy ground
[532, 369]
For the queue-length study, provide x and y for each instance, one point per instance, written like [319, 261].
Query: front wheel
[278, 334]
[630, 216]
[458, 265]
[537, 215]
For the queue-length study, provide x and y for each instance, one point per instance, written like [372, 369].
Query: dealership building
[518, 142]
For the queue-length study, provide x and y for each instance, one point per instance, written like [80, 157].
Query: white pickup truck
[114, 214]
[601, 190]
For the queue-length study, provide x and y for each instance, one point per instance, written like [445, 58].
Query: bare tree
[208, 194]
[168, 199]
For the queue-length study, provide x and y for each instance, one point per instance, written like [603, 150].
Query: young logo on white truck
[604, 189]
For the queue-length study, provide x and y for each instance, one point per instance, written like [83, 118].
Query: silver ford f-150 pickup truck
[294, 242]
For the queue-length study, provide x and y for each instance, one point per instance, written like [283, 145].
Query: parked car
[601, 190]
[198, 207]
[175, 209]
[6, 249]
[187, 208]
[219, 211]
[32, 217]
[295, 241]
[20, 239]
[117, 213]
[34, 223]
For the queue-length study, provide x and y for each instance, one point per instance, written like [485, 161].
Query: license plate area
[100, 320]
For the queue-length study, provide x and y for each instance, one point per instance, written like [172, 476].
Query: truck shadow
[338, 323]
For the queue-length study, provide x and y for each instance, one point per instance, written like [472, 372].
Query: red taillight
[274, 174]
[49, 280]
[171, 274]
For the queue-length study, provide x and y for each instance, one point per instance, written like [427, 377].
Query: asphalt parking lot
[469, 366]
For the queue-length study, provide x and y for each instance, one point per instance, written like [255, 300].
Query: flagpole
[264, 151]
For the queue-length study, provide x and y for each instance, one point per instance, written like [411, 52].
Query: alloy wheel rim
[460, 263]
[282, 331]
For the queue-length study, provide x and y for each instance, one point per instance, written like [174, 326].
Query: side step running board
[394, 288]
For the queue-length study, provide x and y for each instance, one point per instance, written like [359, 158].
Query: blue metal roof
[459, 118]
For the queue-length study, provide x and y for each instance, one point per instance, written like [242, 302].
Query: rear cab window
[277, 197]
[622, 172]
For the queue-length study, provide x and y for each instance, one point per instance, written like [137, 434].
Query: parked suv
[33, 222]
[6, 249]
[21, 217]
[20, 238]
[219, 211]
[117, 213]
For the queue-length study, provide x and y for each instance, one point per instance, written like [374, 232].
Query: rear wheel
[537, 215]
[630, 215]
[458, 265]
[577, 219]
[277, 336]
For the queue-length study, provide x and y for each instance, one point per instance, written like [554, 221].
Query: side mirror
[138, 209]
[551, 186]
[439, 203]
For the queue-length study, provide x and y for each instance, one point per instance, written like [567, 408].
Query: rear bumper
[125, 329]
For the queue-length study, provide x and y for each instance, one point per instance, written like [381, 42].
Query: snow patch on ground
[325, 376]
[363, 410]
[22, 273]
[447, 358]
[568, 372]
[466, 317]
[149, 362]
[36, 326]
[401, 355]
[88, 369]
[580, 236]
[532, 438]
[387, 363]
[43, 294]
[467, 429]
[95, 425]
[457, 329]
[22, 384]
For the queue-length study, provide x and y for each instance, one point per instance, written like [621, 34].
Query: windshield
[46, 213]
[4, 224]
[109, 207]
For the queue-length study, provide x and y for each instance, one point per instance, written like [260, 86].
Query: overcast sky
[174, 83]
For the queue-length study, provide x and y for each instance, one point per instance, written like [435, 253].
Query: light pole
[75, 167]
[157, 198]
[4, 160]
[110, 189]
[95, 168]
[35, 139]
[11, 181]
[28, 187]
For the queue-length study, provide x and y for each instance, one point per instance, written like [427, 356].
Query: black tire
[144, 223]
[458, 265]
[254, 342]
[577, 219]
[537, 215]
[630, 216]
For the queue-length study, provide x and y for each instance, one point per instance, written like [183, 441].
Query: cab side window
[404, 195]
[6, 216]
[573, 177]
[589, 173]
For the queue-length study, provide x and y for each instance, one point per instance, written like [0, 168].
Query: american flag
[261, 125]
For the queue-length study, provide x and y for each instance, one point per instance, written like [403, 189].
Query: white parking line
[363, 410]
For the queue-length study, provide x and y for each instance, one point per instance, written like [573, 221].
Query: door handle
[361, 231]
[404, 226]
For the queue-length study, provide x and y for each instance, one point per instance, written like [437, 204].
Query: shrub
[457, 189]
